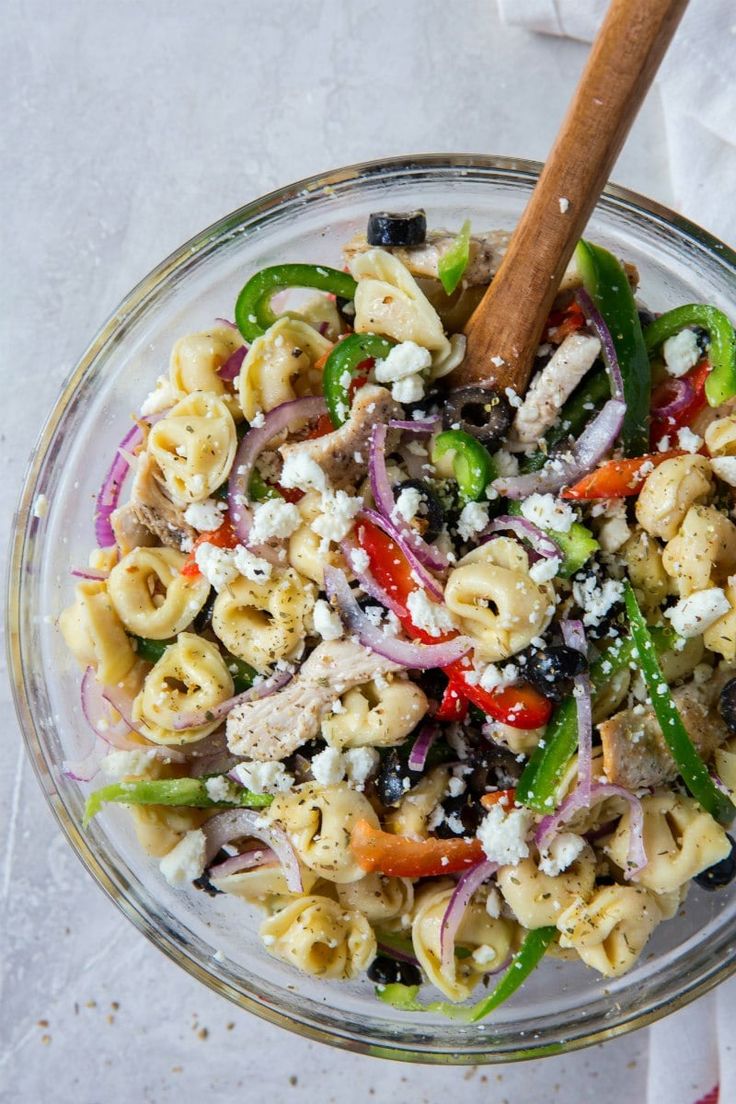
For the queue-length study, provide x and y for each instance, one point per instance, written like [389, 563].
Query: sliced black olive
[727, 704]
[384, 970]
[721, 873]
[645, 317]
[397, 228]
[392, 780]
[551, 670]
[479, 411]
[463, 815]
[431, 512]
[203, 618]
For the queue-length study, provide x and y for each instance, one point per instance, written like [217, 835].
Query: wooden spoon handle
[504, 331]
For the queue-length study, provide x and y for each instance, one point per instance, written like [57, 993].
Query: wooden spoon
[504, 330]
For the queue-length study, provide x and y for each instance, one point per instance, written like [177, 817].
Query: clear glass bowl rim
[344, 178]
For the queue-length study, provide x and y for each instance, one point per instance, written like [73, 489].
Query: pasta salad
[442, 679]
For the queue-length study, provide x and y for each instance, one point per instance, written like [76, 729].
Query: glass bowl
[563, 1005]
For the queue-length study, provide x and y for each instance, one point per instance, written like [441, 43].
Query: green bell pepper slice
[588, 397]
[453, 263]
[472, 464]
[253, 314]
[527, 958]
[720, 384]
[150, 650]
[341, 367]
[606, 282]
[183, 792]
[577, 545]
[542, 774]
[689, 762]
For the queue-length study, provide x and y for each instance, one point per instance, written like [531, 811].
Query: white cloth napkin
[697, 91]
[692, 1054]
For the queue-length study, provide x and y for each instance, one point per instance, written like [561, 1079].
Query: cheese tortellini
[537, 898]
[376, 716]
[95, 635]
[703, 553]
[151, 596]
[194, 447]
[305, 552]
[489, 940]
[264, 885]
[378, 897]
[190, 677]
[649, 579]
[720, 436]
[610, 931]
[319, 820]
[669, 492]
[262, 622]
[410, 816]
[321, 937]
[680, 839]
[280, 366]
[725, 763]
[389, 301]
[496, 601]
[195, 360]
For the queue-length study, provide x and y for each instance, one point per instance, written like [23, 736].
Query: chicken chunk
[153, 508]
[554, 384]
[635, 754]
[343, 454]
[274, 727]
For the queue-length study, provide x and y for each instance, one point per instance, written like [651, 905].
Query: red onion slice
[598, 438]
[540, 541]
[96, 702]
[573, 634]
[367, 582]
[226, 322]
[205, 716]
[394, 952]
[248, 860]
[679, 394]
[383, 494]
[549, 826]
[422, 575]
[281, 418]
[90, 573]
[242, 823]
[109, 493]
[85, 769]
[421, 746]
[467, 883]
[230, 370]
[417, 657]
[421, 425]
[610, 358]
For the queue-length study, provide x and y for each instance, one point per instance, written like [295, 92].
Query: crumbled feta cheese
[493, 677]
[337, 517]
[196, 482]
[427, 615]
[681, 352]
[544, 570]
[596, 599]
[455, 787]
[118, 764]
[162, 397]
[408, 390]
[185, 862]
[503, 835]
[270, 777]
[303, 473]
[220, 788]
[688, 440]
[473, 519]
[407, 504]
[360, 763]
[359, 560]
[725, 468]
[216, 564]
[40, 506]
[484, 955]
[253, 567]
[258, 419]
[514, 399]
[328, 767]
[326, 621]
[493, 903]
[274, 520]
[696, 613]
[564, 203]
[405, 359]
[614, 531]
[497, 360]
[562, 852]
[204, 516]
[506, 463]
[548, 512]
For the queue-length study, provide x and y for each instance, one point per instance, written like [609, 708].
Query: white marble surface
[127, 127]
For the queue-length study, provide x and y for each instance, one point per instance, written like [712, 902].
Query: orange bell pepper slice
[499, 797]
[224, 537]
[401, 857]
[618, 478]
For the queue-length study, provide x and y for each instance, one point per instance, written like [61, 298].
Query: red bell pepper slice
[402, 857]
[618, 478]
[224, 537]
[519, 706]
[454, 705]
[666, 427]
[561, 323]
